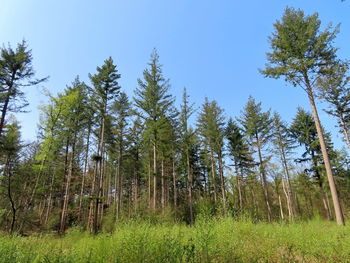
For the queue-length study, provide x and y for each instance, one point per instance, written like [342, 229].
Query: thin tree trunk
[9, 194]
[264, 182]
[154, 176]
[190, 186]
[92, 197]
[67, 188]
[222, 182]
[174, 184]
[213, 173]
[287, 187]
[49, 201]
[82, 188]
[238, 179]
[162, 185]
[149, 185]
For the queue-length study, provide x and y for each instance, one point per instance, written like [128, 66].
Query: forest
[130, 168]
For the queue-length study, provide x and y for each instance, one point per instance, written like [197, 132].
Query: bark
[9, 194]
[238, 179]
[264, 181]
[190, 186]
[154, 176]
[213, 173]
[162, 185]
[222, 182]
[174, 184]
[149, 185]
[82, 188]
[287, 187]
[49, 201]
[67, 189]
[338, 210]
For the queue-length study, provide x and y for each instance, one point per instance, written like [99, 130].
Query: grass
[222, 240]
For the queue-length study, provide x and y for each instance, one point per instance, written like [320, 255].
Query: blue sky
[214, 48]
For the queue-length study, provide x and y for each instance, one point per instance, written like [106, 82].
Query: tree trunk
[67, 188]
[9, 194]
[154, 176]
[222, 182]
[190, 186]
[287, 187]
[149, 184]
[238, 179]
[162, 185]
[174, 184]
[49, 201]
[338, 210]
[213, 173]
[82, 187]
[264, 182]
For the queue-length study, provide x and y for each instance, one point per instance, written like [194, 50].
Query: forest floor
[222, 240]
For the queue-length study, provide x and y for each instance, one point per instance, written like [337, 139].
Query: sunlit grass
[221, 240]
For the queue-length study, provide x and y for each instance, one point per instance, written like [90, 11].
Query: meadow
[209, 240]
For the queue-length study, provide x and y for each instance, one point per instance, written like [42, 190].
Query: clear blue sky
[214, 48]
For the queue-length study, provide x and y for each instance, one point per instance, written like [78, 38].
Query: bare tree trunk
[82, 187]
[154, 176]
[222, 183]
[190, 186]
[238, 180]
[92, 197]
[338, 210]
[9, 194]
[67, 188]
[162, 185]
[264, 182]
[286, 193]
[287, 187]
[213, 173]
[174, 184]
[281, 207]
[149, 185]
[49, 201]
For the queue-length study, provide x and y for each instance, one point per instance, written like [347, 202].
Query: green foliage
[222, 240]
[301, 52]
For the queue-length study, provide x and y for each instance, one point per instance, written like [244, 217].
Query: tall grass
[222, 240]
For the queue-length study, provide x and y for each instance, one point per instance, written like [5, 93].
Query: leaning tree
[303, 53]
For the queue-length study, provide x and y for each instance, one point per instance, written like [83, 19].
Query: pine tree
[238, 149]
[257, 125]
[210, 125]
[154, 103]
[121, 110]
[186, 141]
[302, 53]
[106, 90]
[16, 72]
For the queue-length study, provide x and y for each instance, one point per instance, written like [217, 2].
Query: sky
[213, 48]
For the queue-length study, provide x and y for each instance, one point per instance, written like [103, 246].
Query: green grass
[208, 241]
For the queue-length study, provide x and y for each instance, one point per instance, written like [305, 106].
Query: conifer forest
[114, 176]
